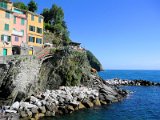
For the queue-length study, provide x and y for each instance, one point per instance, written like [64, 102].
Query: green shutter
[6, 27]
[14, 19]
[40, 40]
[2, 37]
[9, 38]
[7, 15]
[3, 5]
[22, 21]
[22, 32]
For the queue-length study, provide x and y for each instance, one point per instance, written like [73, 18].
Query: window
[32, 17]
[5, 38]
[9, 38]
[32, 28]
[22, 21]
[31, 39]
[14, 19]
[6, 27]
[39, 40]
[39, 19]
[2, 37]
[22, 32]
[7, 15]
[3, 5]
[39, 30]
[16, 38]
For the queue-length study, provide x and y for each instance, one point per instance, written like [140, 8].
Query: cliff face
[93, 61]
[66, 67]
[19, 79]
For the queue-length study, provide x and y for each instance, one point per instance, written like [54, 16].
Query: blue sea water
[142, 104]
[151, 75]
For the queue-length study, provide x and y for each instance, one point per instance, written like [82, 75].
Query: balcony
[15, 32]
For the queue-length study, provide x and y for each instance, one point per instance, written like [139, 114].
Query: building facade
[21, 32]
[6, 26]
[35, 32]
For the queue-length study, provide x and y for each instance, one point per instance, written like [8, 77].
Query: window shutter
[2, 37]
[9, 38]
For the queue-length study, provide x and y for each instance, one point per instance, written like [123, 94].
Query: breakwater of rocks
[118, 82]
[57, 102]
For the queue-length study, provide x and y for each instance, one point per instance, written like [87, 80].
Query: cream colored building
[6, 27]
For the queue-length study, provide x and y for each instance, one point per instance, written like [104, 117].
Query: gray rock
[42, 109]
[88, 104]
[15, 106]
[43, 102]
[33, 99]
[34, 110]
[23, 114]
[29, 113]
[61, 100]
[50, 114]
[10, 111]
[27, 105]
[38, 103]
[51, 107]
[70, 108]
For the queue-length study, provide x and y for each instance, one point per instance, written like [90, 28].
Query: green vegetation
[32, 6]
[54, 22]
[20, 5]
[94, 61]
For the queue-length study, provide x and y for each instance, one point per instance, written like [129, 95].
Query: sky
[123, 34]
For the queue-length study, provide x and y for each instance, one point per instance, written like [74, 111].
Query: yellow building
[34, 32]
[6, 27]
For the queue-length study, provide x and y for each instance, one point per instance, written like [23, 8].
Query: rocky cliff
[93, 61]
[66, 67]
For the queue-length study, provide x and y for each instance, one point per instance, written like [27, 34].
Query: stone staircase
[43, 53]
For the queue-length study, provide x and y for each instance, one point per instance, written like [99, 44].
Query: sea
[142, 104]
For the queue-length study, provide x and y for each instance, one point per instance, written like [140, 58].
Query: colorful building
[6, 27]
[19, 33]
[34, 32]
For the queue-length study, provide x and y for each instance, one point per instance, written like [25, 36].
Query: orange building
[34, 32]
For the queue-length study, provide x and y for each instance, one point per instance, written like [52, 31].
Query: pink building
[19, 32]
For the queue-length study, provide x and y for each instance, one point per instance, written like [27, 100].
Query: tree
[54, 22]
[32, 6]
[20, 5]
[46, 15]
[56, 14]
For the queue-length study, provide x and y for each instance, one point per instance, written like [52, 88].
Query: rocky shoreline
[57, 102]
[118, 82]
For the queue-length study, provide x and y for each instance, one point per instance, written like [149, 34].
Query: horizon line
[133, 69]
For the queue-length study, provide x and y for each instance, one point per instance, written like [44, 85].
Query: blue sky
[123, 34]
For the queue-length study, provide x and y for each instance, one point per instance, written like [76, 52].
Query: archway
[16, 50]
